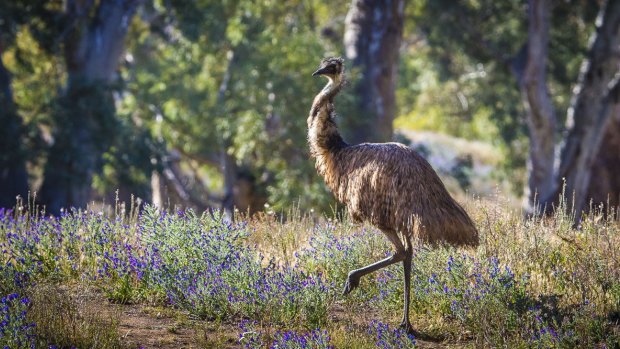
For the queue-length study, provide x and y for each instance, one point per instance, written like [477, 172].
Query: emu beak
[319, 72]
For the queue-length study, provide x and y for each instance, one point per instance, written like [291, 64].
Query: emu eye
[330, 69]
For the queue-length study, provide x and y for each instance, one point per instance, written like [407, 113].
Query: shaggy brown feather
[386, 184]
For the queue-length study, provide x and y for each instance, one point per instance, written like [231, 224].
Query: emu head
[331, 68]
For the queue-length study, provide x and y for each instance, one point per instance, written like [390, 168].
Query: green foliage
[458, 70]
[201, 265]
[239, 85]
[40, 16]
[196, 263]
[208, 78]
[35, 76]
[129, 162]
[15, 331]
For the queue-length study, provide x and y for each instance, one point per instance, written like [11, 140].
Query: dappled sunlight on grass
[532, 282]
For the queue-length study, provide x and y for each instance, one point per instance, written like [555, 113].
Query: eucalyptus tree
[92, 39]
[372, 40]
[226, 85]
[65, 56]
[552, 51]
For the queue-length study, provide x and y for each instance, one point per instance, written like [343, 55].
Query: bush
[15, 330]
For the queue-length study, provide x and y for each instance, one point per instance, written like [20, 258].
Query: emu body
[386, 184]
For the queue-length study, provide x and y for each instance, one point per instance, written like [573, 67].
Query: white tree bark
[592, 106]
[604, 185]
[541, 116]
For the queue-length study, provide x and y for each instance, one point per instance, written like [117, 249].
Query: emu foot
[352, 283]
[406, 326]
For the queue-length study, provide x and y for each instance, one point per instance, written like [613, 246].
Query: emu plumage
[386, 184]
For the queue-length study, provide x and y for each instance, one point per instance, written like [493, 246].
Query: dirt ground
[142, 326]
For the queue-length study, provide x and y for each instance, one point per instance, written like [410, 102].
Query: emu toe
[352, 283]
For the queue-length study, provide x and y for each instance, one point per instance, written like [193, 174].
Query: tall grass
[538, 281]
[535, 282]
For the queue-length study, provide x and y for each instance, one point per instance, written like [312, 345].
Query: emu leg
[405, 324]
[353, 279]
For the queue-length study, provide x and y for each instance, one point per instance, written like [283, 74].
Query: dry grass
[571, 276]
[536, 282]
[64, 319]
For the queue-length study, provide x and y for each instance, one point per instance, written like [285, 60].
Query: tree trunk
[13, 175]
[604, 185]
[373, 33]
[86, 116]
[591, 108]
[229, 170]
[228, 161]
[541, 117]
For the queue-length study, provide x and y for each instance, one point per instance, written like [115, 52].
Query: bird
[388, 185]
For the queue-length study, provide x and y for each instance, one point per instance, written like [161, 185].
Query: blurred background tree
[15, 137]
[204, 103]
[523, 41]
[372, 40]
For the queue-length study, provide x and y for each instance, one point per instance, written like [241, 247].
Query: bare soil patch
[143, 326]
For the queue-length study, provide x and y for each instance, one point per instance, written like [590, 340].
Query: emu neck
[323, 136]
[333, 87]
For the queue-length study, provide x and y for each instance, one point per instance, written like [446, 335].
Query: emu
[387, 185]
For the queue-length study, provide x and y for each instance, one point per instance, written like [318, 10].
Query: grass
[62, 321]
[536, 282]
